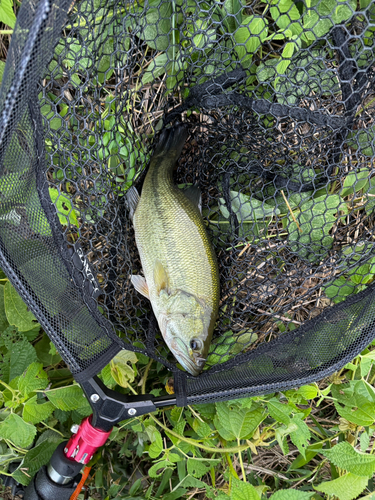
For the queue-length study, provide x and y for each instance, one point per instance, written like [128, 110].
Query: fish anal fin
[160, 277]
[195, 196]
[140, 285]
[132, 198]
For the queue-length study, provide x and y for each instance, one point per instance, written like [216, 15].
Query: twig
[291, 211]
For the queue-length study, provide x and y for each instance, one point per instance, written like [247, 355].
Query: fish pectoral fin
[140, 285]
[132, 198]
[160, 277]
[195, 196]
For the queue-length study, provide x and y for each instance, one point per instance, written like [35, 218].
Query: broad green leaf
[35, 413]
[202, 428]
[157, 446]
[207, 410]
[355, 181]
[32, 379]
[247, 208]
[343, 455]
[345, 487]
[285, 13]
[17, 431]
[361, 413]
[66, 212]
[155, 26]
[321, 15]
[315, 219]
[300, 436]
[279, 411]
[291, 495]
[308, 391]
[243, 491]
[7, 15]
[67, 398]
[42, 348]
[16, 310]
[250, 34]
[234, 423]
[36, 458]
[199, 467]
[234, 8]
[21, 355]
[364, 441]
[285, 59]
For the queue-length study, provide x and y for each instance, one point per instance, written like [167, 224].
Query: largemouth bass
[181, 277]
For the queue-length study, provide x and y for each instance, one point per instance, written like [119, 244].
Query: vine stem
[236, 449]
[143, 389]
[241, 462]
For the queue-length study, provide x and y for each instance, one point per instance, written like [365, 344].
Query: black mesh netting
[278, 97]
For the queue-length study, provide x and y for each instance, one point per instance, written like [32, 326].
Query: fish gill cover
[278, 99]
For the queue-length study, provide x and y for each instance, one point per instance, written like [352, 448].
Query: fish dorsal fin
[132, 197]
[160, 277]
[140, 285]
[195, 196]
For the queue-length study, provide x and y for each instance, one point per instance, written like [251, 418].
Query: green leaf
[247, 208]
[362, 412]
[291, 495]
[32, 379]
[308, 391]
[7, 15]
[156, 68]
[345, 487]
[200, 467]
[16, 310]
[315, 219]
[234, 423]
[278, 411]
[285, 13]
[17, 431]
[157, 469]
[21, 355]
[155, 26]
[364, 441]
[355, 181]
[121, 371]
[36, 458]
[343, 455]
[243, 491]
[68, 398]
[300, 436]
[250, 34]
[42, 349]
[66, 212]
[157, 446]
[336, 11]
[35, 413]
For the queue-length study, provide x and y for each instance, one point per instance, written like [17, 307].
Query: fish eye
[195, 344]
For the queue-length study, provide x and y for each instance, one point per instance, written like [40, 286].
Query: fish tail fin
[172, 139]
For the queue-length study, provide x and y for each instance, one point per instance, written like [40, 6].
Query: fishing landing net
[278, 97]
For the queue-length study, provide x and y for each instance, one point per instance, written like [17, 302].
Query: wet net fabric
[279, 100]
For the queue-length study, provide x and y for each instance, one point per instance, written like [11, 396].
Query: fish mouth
[181, 352]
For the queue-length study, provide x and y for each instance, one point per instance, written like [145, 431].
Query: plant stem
[6, 32]
[231, 468]
[241, 462]
[143, 388]
[196, 443]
